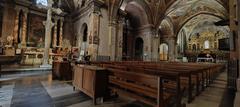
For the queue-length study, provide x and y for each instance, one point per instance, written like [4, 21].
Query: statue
[9, 41]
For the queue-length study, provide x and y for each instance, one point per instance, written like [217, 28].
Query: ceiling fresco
[203, 23]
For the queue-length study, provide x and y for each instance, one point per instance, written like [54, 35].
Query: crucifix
[48, 28]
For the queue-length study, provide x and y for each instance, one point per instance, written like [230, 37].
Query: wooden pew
[145, 84]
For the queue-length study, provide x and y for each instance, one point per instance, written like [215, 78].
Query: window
[206, 44]
[42, 2]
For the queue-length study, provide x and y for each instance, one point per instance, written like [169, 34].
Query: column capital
[112, 22]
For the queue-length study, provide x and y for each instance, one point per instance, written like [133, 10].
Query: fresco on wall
[37, 31]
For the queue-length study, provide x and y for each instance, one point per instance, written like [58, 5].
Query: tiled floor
[41, 91]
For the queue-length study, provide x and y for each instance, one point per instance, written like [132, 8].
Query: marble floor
[39, 90]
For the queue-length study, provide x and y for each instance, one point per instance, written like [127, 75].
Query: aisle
[216, 95]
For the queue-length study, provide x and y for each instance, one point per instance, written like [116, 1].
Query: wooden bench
[146, 87]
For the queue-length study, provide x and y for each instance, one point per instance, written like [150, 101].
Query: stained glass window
[42, 2]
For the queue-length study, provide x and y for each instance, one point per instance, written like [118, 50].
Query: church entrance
[139, 49]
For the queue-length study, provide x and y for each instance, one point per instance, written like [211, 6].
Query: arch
[84, 32]
[136, 14]
[182, 42]
[139, 48]
[139, 4]
[206, 44]
[163, 51]
[193, 16]
[20, 24]
[166, 27]
[194, 47]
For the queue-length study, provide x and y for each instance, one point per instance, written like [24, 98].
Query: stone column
[112, 39]
[16, 27]
[55, 33]
[237, 98]
[94, 35]
[119, 40]
[61, 33]
[24, 29]
[148, 45]
[171, 47]
[155, 46]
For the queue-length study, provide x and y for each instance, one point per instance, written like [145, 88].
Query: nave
[38, 90]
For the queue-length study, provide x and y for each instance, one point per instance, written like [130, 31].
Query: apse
[201, 36]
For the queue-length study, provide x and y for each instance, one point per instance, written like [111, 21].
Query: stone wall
[8, 21]
[103, 34]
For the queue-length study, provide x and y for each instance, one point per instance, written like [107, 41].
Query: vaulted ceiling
[172, 13]
[153, 12]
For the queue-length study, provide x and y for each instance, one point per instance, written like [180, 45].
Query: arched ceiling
[179, 12]
[194, 12]
[136, 15]
[197, 23]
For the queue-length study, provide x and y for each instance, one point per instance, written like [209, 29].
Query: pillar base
[46, 66]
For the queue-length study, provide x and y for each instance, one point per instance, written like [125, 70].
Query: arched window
[206, 44]
[164, 52]
[42, 2]
[194, 47]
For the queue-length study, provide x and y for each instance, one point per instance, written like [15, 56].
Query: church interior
[119, 53]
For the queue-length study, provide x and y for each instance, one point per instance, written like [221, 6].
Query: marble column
[61, 33]
[112, 40]
[24, 30]
[16, 27]
[172, 48]
[55, 34]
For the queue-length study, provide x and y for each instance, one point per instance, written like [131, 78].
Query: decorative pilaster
[61, 33]
[112, 40]
[119, 40]
[155, 46]
[55, 34]
[24, 29]
[16, 27]
[94, 34]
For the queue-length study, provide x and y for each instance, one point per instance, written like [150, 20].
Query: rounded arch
[194, 47]
[166, 27]
[193, 16]
[84, 32]
[163, 51]
[20, 24]
[138, 4]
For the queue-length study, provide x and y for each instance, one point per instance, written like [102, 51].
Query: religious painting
[36, 31]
